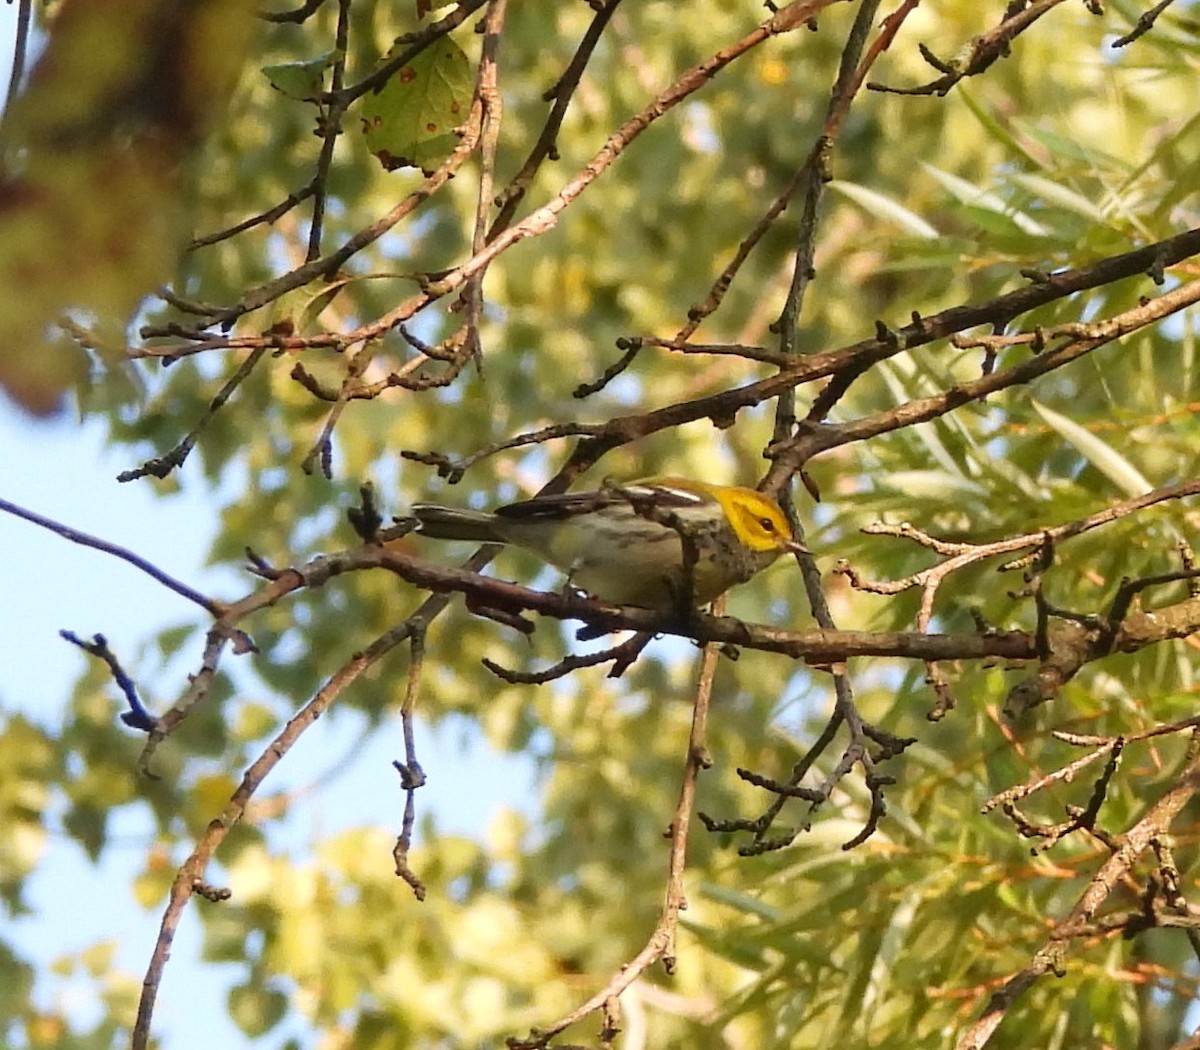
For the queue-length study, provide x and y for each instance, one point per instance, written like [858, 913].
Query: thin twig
[137, 717]
[813, 176]
[161, 466]
[19, 53]
[493, 109]
[812, 439]
[191, 872]
[1048, 959]
[417, 42]
[269, 216]
[329, 122]
[210, 605]
[298, 15]
[985, 49]
[412, 776]
[621, 656]
[543, 219]
[959, 555]
[1144, 24]
[661, 944]
[562, 93]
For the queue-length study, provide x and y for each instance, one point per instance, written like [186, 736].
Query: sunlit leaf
[1057, 193]
[886, 208]
[993, 126]
[256, 1010]
[301, 80]
[1096, 451]
[410, 121]
[985, 200]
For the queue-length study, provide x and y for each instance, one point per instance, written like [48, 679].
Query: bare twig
[417, 42]
[538, 222]
[412, 776]
[959, 554]
[841, 97]
[137, 717]
[300, 14]
[985, 49]
[210, 605]
[1144, 24]
[812, 439]
[269, 216]
[562, 93]
[1078, 818]
[190, 874]
[1049, 958]
[661, 944]
[321, 452]
[812, 176]
[161, 466]
[329, 124]
[19, 53]
[493, 109]
[621, 657]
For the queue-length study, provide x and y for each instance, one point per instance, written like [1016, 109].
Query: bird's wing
[570, 504]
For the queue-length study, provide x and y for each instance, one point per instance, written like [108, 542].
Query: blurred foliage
[1064, 152]
[118, 101]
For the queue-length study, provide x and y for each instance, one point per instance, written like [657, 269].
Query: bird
[625, 544]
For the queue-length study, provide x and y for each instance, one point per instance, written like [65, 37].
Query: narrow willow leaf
[973, 196]
[993, 126]
[1069, 149]
[744, 902]
[1056, 193]
[884, 207]
[904, 383]
[932, 484]
[1099, 453]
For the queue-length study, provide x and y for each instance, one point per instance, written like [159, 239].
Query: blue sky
[61, 469]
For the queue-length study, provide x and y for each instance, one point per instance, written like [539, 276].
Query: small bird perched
[625, 544]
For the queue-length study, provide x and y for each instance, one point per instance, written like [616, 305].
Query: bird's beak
[796, 547]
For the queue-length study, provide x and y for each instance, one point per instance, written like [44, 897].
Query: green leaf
[253, 721]
[933, 484]
[884, 207]
[98, 958]
[743, 902]
[225, 933]
[301, 80]
[1101, 455]
[256, 1010]
[410, 121]
[1056, 193]
[296, 312]
[1069, 149]
[976, 197]
[993, 126]
[16, 982]
[89, 827]
[171, 640]
[151, 886]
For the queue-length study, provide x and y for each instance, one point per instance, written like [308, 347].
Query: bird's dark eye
[767, 524]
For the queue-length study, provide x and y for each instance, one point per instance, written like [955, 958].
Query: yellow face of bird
[755, 519]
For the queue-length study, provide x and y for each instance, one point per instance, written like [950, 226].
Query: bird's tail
[452, 523]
